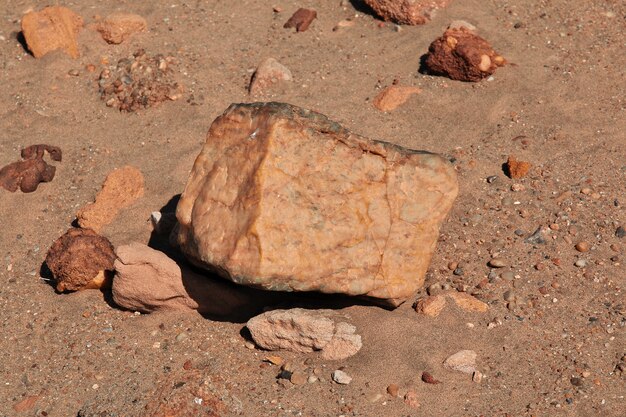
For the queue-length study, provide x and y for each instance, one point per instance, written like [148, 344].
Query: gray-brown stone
[284, 199]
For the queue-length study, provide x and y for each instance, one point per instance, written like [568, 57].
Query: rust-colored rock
[300, 330]
[26, 404]
[118, 27]
[81, 259]
[301, 19]
[27, 174]
[284, 199]
[467, 302]
[462, 55]
[267, 74]
[407, 12]
[52, 28]
[433, 305]
[121, 188]
[147, 280]
[517, 169]
[394, 96]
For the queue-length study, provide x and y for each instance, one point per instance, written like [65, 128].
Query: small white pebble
[95, 386]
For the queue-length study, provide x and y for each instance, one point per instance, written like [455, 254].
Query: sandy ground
[551, 349]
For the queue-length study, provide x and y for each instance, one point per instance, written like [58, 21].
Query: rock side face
[284, 199]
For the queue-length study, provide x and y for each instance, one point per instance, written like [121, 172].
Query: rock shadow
[19, 37]
[362, 7]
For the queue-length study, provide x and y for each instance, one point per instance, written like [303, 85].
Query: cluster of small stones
[139, 82]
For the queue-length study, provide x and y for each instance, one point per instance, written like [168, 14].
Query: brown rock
[267, 74]
[393, 389]
[516, 169]
[406, 12]
[27, 174]
[462, 55]
[120, 189]
[312, 207]
[26, 404]
[301, 19]
[52, 28]
[394, 96]
[467, 302]
[429, 379]
[300, 330]
[582, 246]
[431, 306]
[118, 27]
[147, 280]
[81, 259]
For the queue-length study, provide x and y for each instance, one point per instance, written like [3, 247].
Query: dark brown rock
[81, 259]
[26, 175]
[301, 19]
[462, 55]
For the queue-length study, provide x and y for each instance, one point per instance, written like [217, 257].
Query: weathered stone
[467, 302]
[267, 74]
[431, 306]
[341, 377]
[462, 55]
[407, 12]
[52, 28]
[300, 330]
[462, 361]
[120, 189]
[81, 259]
[147, 280]
[284, 199]
[118, 27]
[516, 169]
[394, 96]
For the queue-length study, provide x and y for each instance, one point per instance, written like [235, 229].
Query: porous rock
[121, 188]
[267, 74]
[81, 259]
[284, 199]
[515, 168]
[406, 12]
[462, 55]
[394, 96]
[27, 174]
[52, 28]
[147, 280]
[118, 27]
[300, 330]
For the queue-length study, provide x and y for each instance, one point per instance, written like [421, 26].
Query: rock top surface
[284, 199]
[406, 12]
[52, 28]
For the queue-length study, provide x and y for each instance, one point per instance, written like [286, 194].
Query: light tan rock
[147, 280]
[431, 306]
[407, 12]
[284, 199]
[300, 330]
[462, 361]
[467, 302]
[118, 27]
[394, 96]
[121, 188]
[270, 72]
[52, 28]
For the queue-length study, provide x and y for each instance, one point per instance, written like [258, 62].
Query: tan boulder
[52, 28]
[284, 199]
[300, 330]
[406, 12]
[118, 27]
[121, 188]
[147, 280]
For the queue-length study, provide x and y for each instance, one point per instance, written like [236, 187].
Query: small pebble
[577, 382]
[581, 263]
[298, 378]
[620, 232]
[341, 377]
[497, 263]
[458, 271]
[182, 336]
[393, 389]
[582, 246]
[73, 73]
[477, 377]
[509, 276]
[492, 178]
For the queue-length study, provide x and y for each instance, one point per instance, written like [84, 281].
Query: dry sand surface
[553, 342]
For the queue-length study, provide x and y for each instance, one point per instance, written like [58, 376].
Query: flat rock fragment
[301, 19]
[121, 188]
[52, 28]
[300, 330]
[462, 361]
[118, 27]
[81, 259]
[462, 55]
[267, 74]
[407, 12]
[394, 96]
[284, 199]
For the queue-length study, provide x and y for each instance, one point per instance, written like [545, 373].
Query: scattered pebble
[393, 390]
[410, 399]
[581, 263]
[429, 379]
[341, 377]
[298, 378]
[582, 246]
[301, 19]
[462, 361]
[620, 232]
[497, 263]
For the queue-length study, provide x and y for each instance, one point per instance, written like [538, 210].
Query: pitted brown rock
[284, 199]
[407, 12]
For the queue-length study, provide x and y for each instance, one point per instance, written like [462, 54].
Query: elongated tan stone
[284, 199]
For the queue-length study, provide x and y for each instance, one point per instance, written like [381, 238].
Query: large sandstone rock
[406, 12]
[300, 330]
[284, 199]
[52, 28]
